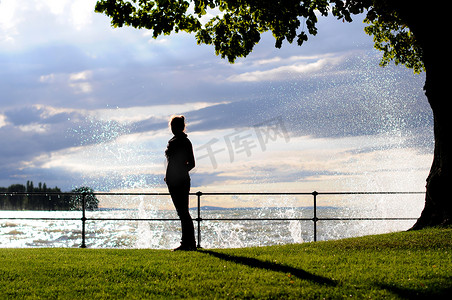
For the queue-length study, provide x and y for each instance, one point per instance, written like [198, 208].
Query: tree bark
[438, 210]
[427, 23]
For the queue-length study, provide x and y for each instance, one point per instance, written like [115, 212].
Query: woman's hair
[177, 124]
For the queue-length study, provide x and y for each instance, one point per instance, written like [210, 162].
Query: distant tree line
[46, 199]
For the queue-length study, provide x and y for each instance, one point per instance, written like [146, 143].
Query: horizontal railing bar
[306, 219]
[87, 219]
[128, 219]
[87, 193]
[368, 193]
[257, 219]
[364, 219]
[250, 193]
[248, 219]
[134, 194]
[308, 194]
[42, 219]
[204, 219]
[213, 219]
[208, 193]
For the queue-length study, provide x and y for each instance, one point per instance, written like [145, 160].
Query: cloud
[81, 13]
[41, 130]
[300, 67]
[2, 120]
[81, 87]
[90, 103]
[9, 20]
[343, 102]
[79, 82]
[21, 25]
[80, 76]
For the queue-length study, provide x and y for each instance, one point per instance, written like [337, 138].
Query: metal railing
[199, 218]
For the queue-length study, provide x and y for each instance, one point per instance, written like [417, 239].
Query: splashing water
[377, 109]
[144, 231]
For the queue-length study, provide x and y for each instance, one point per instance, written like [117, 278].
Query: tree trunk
[438, 202]
[428, 26]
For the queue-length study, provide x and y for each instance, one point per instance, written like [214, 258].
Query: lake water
[214, 234]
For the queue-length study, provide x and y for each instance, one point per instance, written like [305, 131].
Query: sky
[85, 104]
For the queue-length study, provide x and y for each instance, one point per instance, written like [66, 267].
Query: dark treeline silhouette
[47, 199]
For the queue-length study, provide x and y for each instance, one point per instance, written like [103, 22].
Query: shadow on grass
[442, 293]
[256, 263]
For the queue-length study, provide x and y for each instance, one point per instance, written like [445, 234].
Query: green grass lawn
[398, 265]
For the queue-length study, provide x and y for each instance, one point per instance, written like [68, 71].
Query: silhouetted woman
[179, 155]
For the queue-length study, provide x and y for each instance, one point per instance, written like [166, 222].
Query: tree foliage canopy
[76, 201]
[234, 27]
[393, 37]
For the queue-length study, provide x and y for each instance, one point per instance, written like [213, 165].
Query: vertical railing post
[198, 219]
[314, 219]
[83, 220]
